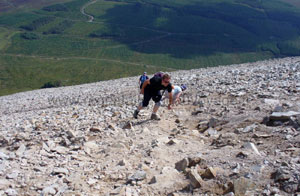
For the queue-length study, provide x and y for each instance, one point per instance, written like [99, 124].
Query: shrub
[58, 29]
[29, 36]
[37, 23]
[57, 7]
[52, 84]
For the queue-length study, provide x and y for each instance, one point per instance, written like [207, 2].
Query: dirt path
[82, 10]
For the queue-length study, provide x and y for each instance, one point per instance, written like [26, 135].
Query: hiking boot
[155, 117]
[135, 114]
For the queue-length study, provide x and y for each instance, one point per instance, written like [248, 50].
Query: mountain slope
[236, 131]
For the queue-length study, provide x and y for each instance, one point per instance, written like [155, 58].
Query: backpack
[159, 74]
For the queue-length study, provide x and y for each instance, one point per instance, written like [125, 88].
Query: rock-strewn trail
[236, 132]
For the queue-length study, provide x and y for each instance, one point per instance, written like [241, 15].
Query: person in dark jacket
[151, 90]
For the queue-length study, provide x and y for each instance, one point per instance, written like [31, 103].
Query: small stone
[92, 181]
[271, 102]
[229, 194]
[171, 142]
[11, 192]
[257, 168]
[169, 179]
[236, 168]
[280, 175]
[95, 130]
[203, 126]
[122, 163]
[153, 180]
[128, 125]
[182, 165]
[71, 134]
[21, 150]
[275, 191]
[209, 173]
[58, 171]
[195, 178]
[290, 188]
[212, 132]
[212, 122]
[242, 185]
[199, 111]
[251, 146]
[242, 155]
[3, 156]
[3, 141]
[4, 183]
[12, 175]
[137, 176]
[289, 137]
[283, 116]
[250, 128]
[111, 126]
[278, 108]
[49, 191]
[196, 160]
[45, 147]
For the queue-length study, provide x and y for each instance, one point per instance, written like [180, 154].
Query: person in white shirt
[176, 92]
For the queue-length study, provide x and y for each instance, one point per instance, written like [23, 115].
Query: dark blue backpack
[159, 74]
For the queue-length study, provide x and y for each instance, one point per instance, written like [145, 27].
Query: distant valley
[65, 43]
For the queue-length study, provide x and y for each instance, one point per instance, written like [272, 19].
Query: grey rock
[92, 181]
[128, 125]
[281, 175]
[212, 122]
[278, 109]
[4, 183]
[250, 128]
[251, 146]
[122, 163]
[272, 101]
[195, 178]
[3, 156]
[57, 171]
[283, 116]
[169, 180]
[95, 130]
[11, 192]
[212, 132]
[12, 175]
[21, 150]
[49, 191]
[209, 173]
[229, 194]
[137, 176]
[182, 165]
[3, 141]
[242, 185]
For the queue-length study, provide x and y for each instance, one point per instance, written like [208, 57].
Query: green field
[57, 42]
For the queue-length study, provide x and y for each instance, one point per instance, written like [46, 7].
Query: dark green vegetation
[127, 37]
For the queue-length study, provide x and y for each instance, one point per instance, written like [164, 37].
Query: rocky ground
[236, 132]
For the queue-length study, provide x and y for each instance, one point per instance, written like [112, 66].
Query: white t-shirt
[176, 91]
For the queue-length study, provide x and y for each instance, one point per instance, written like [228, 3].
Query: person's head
[145, 73]
[166, 79]
[183, 87]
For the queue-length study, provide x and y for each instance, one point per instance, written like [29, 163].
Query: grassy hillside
[21, 5]
[58, 42]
